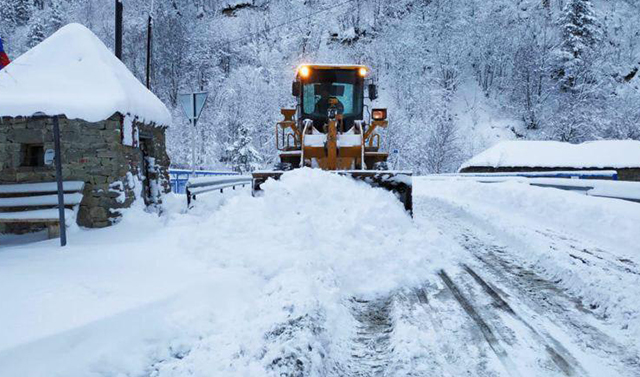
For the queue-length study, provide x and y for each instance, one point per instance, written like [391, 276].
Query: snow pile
[555, 154]
[316, 240]
[329, 221]
[73, 73]
[623, 190]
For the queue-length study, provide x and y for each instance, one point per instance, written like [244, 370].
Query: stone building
[112, 128]
[621, 156]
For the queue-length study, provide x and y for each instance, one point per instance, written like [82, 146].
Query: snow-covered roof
[73, 73]
[554, 154]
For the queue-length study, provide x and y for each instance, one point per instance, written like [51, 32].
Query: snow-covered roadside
[587, 244]
[238, 286]
[113, 299]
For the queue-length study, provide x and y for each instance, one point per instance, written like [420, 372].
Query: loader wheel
[381, 165]
[283, 166]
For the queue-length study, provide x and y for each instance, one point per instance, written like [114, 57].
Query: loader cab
[323, 91]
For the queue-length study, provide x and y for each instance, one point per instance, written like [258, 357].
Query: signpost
[58, 162]
[192, 105]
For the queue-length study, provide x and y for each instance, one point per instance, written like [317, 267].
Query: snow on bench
[25, 195]
[36, 216]
[40, 201]
[42, 187]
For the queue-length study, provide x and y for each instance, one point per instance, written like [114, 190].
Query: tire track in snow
[547, 298]
[592, 256]
[371, 347]
[558, 353]
[455, 345]
[486, 331]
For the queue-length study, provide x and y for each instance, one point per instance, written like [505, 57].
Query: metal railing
[179, 177]
[573, 174]
[202, 185]
[584, 182]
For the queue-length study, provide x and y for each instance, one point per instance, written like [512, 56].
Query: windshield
[345, 85]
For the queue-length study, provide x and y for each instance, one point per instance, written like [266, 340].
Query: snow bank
[73, 73]
[316, 240]
[362, 234]
[554, 154]
[588, 245]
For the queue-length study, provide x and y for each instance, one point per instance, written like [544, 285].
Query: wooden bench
[37, 203]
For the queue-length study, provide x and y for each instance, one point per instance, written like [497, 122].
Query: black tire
[283, 166]
[381, 165]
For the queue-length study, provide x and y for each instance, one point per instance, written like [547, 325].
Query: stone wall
[624, 174]
[93, 153]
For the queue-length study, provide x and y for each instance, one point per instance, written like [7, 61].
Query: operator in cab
[323, 104]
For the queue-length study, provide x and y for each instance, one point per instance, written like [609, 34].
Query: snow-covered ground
[325, 276]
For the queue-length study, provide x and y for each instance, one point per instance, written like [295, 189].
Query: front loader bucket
[398, 182]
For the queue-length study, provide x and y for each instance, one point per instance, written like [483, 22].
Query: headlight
[304, 71]
[379, 114]
[363, 72]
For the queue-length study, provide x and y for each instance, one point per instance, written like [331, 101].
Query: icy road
[324, 276]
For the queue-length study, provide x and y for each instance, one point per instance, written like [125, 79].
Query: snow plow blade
[398, 182]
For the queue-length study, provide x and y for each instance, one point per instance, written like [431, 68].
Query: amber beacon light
[379, 114]
[304, 71]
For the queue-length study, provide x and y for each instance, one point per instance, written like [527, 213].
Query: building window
[33, 155]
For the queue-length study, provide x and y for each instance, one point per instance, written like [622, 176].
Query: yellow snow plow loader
[332, 129]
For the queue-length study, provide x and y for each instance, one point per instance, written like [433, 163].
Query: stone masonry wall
[91, 152]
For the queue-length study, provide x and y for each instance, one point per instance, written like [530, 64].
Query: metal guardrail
[197, 186]
[179, 177]
[572, 174]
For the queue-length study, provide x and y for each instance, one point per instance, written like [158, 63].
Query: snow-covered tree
[7, 15]
[22, 10]
[242, 155]
[580, 33]
[56, 16]
[532, 84]
[36, 32]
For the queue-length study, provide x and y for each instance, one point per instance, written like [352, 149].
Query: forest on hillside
[447, 69]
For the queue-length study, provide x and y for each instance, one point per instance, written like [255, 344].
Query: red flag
[4, 59]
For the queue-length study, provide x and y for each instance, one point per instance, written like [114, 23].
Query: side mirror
[295, 89]
[373, 92]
